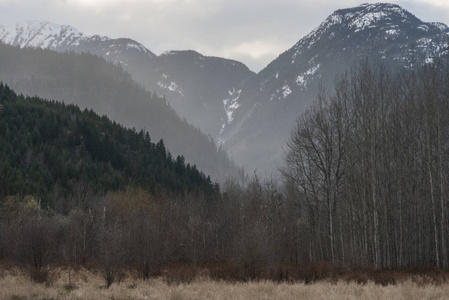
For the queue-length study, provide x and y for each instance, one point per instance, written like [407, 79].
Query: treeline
[63, 155]
[365, 183]
[368, 164]
[246, 234]
[89, 81]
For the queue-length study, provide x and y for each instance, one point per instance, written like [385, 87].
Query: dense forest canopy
[55, 151]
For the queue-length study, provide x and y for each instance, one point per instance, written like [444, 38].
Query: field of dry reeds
[86, 284]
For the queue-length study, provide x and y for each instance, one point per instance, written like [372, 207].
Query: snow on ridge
[139, 47]
[168, 53]
[334, 19]
[338, 17]
[5, 34]
[367, 20]
[48, 35]
[357, 19]
[372, 13]
[363, 16]
[440, 26]
[38, 34]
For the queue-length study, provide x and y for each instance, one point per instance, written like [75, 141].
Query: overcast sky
[252, 31]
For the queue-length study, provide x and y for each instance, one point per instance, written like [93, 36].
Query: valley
[179, 174]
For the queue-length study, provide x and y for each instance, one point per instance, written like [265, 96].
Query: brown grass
[89, 285]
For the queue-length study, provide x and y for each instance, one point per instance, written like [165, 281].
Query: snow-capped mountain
[193, 84]
[39, 34]
[47, 35]
[251, 115]
[262, 110]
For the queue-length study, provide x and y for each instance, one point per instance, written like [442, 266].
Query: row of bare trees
[245, 231]
[369, 164]
[366, 174]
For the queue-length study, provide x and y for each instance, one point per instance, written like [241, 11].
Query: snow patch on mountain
[172, 87]
[358, 19]
[281, 93]
[166, 84]
[230, 105]
[304, 78]
[286, 90]
[367, 20]
[441, 26]
[392, 31]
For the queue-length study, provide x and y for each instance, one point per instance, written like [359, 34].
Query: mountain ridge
[107, 89]
[268, 104]
[251, 115]
[192, 83]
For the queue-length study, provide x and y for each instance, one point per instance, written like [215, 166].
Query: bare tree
[37, 246]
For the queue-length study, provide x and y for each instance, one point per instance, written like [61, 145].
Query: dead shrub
[41, 275]
[358, 277]
[230, 272]
[279, 273]
[179, 273]
[314, 272]
[36, 247]
[385, 277]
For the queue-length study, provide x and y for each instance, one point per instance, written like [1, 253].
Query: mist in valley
[330, 163]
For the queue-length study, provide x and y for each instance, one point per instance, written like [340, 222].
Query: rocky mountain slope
[249, 114]
[193, 84]
[263, 109]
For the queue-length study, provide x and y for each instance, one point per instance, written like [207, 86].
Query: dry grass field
[87, 285]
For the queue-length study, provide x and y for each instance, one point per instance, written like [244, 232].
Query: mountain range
[92, 83]
[188, 79]
[268, 103]
[251, 115]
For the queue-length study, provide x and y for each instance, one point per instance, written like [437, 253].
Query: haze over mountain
[91, 82]
[249, 114]
[61, 154]
[194, 84]
[264, 108]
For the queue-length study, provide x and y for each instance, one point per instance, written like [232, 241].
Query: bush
[36, 247]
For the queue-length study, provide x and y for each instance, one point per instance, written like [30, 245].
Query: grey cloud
[252, 31]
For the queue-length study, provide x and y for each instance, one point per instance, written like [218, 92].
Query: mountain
[196, 85]
[49, 148]
[91, 82]
[193, 84]
[251, 115]
[263, 109]
[47, 35]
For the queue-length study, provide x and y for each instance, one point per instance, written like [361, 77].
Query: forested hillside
[365, 189]
[90, 82]
[65, 156]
